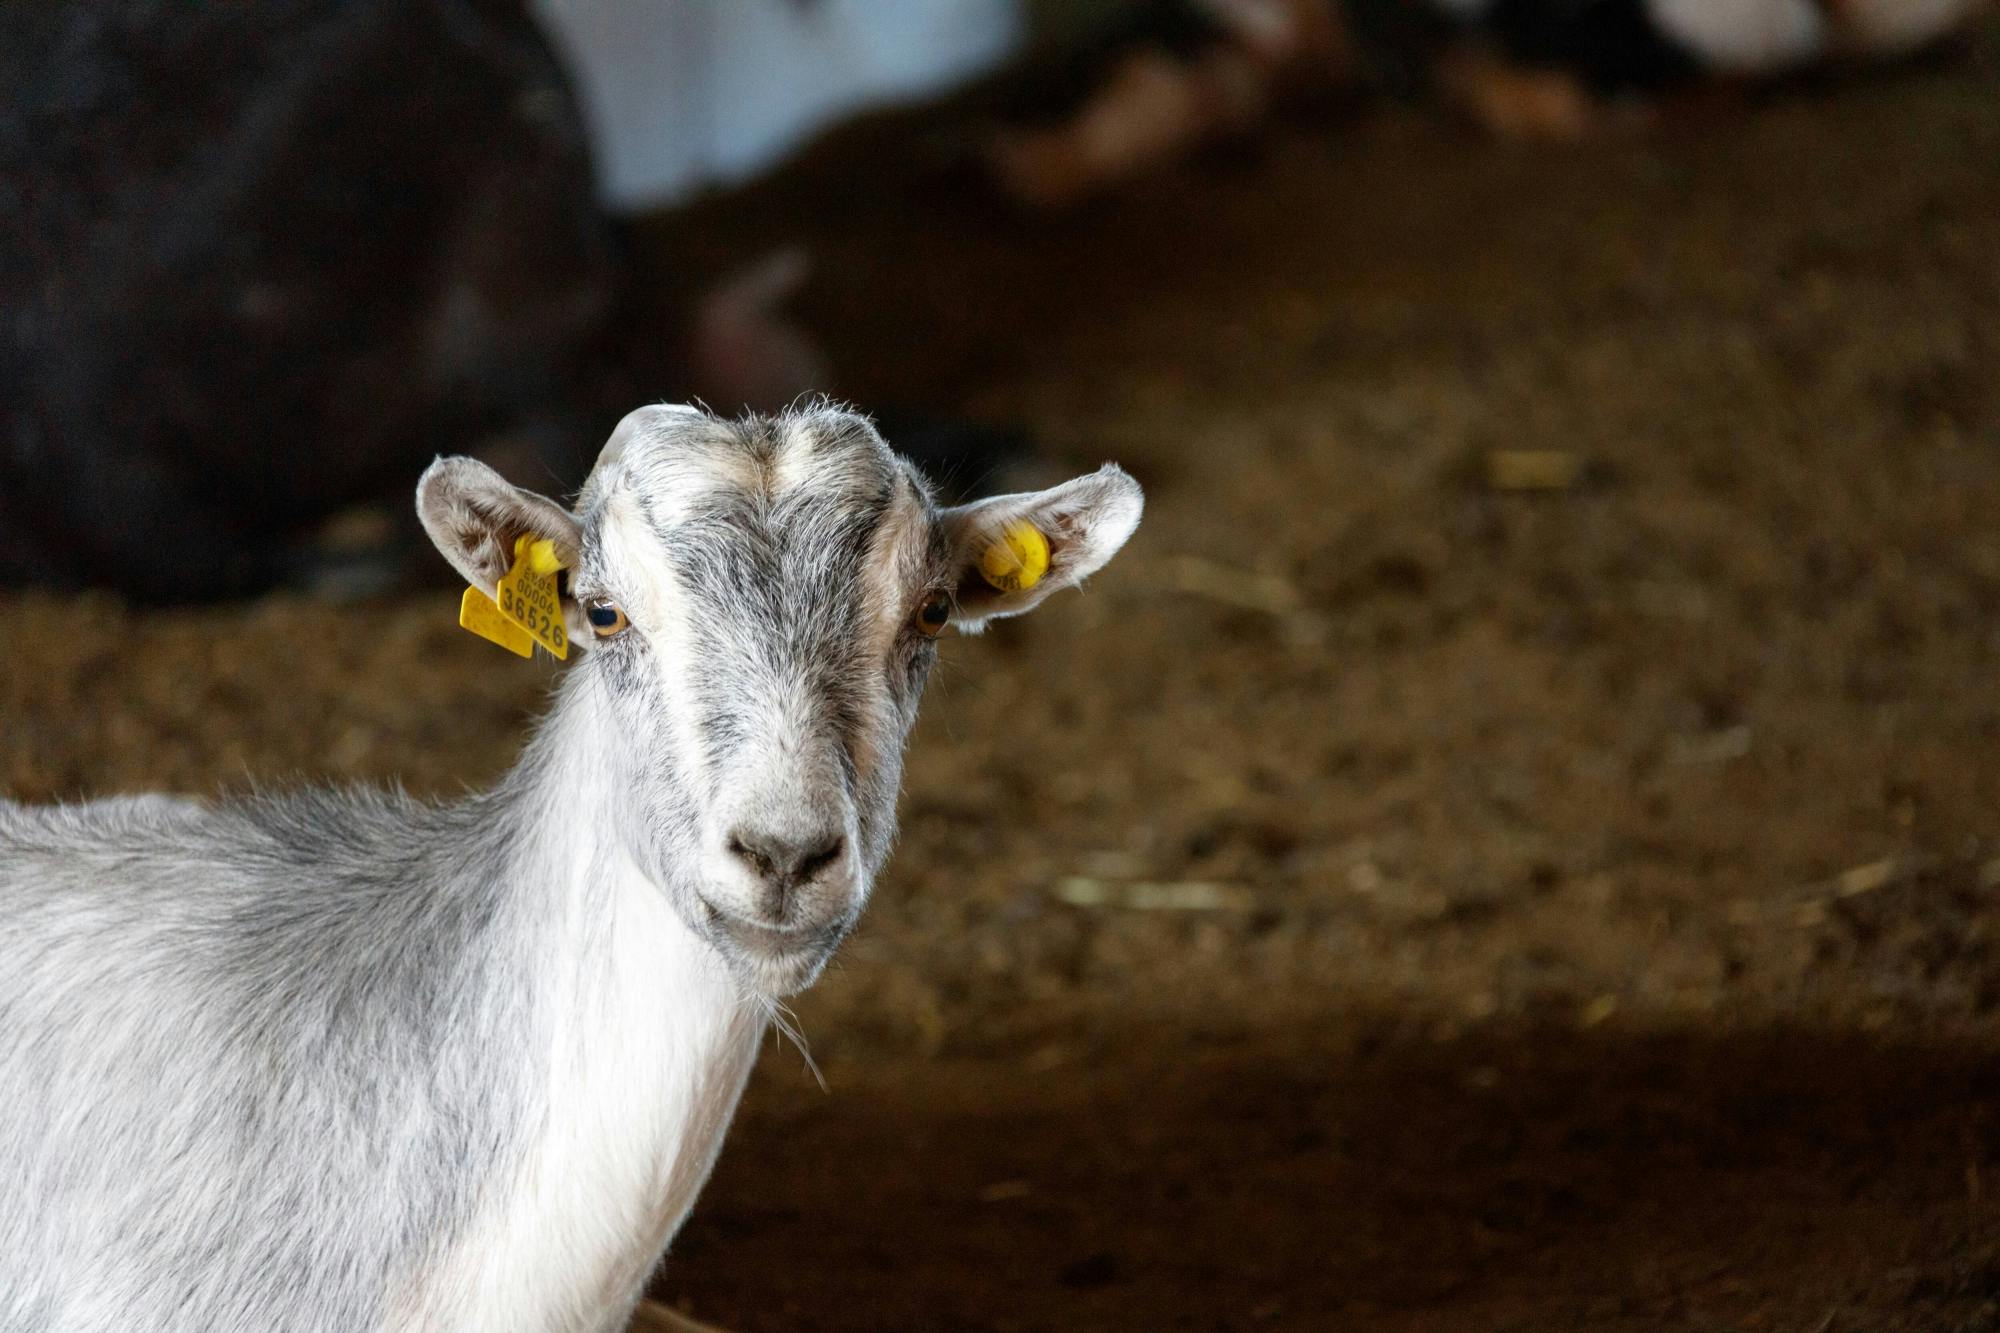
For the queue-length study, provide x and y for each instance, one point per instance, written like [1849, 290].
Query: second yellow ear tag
[1018, 560]
[477, 613]
[528, 610]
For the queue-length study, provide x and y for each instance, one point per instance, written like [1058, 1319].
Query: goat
[338, 1061]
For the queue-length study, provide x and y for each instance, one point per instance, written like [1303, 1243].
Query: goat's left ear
[1084, 521]
[475, 515]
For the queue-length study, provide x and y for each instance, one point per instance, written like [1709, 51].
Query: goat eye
[934, 614]
[607, 619]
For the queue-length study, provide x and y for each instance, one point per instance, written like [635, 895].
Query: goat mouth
[772, 946]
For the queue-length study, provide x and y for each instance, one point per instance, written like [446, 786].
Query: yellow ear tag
[478, 613]
[528, 611]
[1018, 560]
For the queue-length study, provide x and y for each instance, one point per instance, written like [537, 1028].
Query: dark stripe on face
[777, 609]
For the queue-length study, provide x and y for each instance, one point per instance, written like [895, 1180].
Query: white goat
[332, 1062]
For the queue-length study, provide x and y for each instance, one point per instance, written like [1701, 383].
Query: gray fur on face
[772, 570]
[337, 1061]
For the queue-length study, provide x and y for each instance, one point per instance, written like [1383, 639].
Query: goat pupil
[604, 617]
[936, 611]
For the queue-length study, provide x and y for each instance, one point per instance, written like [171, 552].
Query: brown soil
[1599, 882]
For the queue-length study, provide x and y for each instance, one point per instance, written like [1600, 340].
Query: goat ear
[1085, 521]
[475, 516]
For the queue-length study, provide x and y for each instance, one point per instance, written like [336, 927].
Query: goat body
[348, 1061]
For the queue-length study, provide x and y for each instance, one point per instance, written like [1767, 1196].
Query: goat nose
[785, 863]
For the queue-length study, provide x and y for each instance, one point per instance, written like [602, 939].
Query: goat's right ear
[475, 516]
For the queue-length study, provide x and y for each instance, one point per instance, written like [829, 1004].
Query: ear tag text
[528, 610]
[477, 612]
[1018, 560]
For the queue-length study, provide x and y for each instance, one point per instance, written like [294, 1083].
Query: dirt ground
[1386, 900]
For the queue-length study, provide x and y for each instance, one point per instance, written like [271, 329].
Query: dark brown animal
[260, 261]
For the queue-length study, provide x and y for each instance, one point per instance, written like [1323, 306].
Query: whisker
[785, 1023]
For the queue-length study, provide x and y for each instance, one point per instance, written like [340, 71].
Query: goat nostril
[820, 857]
[755, 855]
[786, 860]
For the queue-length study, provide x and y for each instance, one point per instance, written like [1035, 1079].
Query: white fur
[649, 1061]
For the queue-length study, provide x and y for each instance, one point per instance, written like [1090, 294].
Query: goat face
[761, 601]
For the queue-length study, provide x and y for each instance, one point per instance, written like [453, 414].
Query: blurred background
[1515, 842]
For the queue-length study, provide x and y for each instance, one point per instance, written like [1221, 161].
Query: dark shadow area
[1530, 1180]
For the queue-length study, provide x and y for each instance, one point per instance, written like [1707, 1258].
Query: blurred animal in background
[261, 260]
[1189, 72]
[256, 262]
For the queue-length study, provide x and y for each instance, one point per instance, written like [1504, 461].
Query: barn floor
[1390, 899]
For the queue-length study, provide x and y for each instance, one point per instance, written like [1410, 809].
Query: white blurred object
[1770, 36]
[1744, 36]
[1767, 36]
[680, 94]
